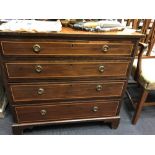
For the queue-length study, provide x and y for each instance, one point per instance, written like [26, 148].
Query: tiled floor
[145, 126]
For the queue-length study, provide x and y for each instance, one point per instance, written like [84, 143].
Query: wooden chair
[143, 69]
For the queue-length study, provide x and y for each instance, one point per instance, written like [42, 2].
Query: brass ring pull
[38, 68]
[36, 48]
[101, 68]
[99, 87]
[95, 108]
[105, 48]
[43, 112]
[41, 91]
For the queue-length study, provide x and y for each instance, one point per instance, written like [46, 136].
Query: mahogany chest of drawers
[70, 76]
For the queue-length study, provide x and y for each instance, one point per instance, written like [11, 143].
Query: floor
[145, 126]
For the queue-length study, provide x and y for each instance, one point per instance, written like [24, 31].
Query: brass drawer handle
[105, 48]
[38, 68]
[95, 108]
[101, 68]
[99, 87]
[41, 91]
[36, 48]
[43, 112]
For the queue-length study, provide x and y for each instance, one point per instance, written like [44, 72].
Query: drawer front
[38, 92]
[67, 48]
[59, 70]
[66, 111]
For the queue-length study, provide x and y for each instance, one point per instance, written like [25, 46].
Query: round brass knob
[105, 48]
[43, 112]
[99, 87]
[38, 68]
[40, 91]
[95, 108]
[101, 68]
[36, 48]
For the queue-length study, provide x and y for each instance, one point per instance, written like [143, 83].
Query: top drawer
[58, 48]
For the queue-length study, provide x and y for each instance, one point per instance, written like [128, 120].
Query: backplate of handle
[36, 48]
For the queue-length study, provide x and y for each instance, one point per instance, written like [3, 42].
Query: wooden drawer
[39, 70]
[66, 111]
[75, 90]
[66, 48]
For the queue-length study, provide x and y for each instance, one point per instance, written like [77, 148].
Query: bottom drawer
[66, 111]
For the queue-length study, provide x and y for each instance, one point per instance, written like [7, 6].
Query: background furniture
[65, 77]
[143, 68]
[146, 27]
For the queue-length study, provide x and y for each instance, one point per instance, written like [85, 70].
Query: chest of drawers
[70, 76]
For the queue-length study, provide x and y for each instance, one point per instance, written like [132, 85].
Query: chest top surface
[69, 32]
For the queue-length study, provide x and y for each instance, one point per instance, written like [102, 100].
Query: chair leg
[139, 106]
